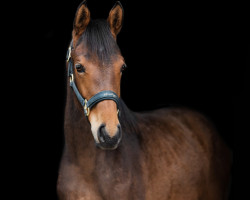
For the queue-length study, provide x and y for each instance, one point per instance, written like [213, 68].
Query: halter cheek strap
[101, 96]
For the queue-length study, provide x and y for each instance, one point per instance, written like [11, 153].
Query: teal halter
[101, 96]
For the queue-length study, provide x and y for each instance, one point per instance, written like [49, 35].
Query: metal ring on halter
[86, 109]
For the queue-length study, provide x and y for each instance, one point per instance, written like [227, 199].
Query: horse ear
[81, 20]
[115, 18]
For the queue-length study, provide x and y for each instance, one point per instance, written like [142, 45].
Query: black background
[176, 53]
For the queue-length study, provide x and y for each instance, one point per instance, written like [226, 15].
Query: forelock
[98, 40]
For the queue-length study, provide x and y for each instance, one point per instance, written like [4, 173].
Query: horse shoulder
[186, 150]
[218, 155]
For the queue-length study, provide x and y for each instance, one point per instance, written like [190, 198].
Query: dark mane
[99, 41]
[127, 119]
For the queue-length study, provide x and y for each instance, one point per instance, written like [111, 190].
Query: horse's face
[93, 76]
[98, 66]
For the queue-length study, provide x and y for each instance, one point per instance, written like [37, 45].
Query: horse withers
[113, 153]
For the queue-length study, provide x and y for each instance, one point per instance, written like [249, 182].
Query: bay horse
[113, 153]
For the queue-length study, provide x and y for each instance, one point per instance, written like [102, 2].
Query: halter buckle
[86, 109]
[69, 54]
[71, 78]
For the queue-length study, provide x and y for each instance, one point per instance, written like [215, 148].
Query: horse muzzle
[106, 141]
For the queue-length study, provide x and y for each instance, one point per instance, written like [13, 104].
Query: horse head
[97, 66]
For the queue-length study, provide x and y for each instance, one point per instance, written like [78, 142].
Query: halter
[100, 96]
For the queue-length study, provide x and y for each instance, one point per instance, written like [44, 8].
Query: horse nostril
[119, 132]
[102, 133]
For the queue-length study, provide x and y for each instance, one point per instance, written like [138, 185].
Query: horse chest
[117, 177]
[112, 179]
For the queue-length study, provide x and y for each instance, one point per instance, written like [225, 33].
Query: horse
[111, 152]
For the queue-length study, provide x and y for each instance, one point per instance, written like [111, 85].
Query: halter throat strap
[101, 96]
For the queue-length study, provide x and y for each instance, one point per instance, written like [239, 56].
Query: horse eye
[124, 66]
[79, 68]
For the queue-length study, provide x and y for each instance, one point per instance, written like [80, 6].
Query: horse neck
[77, 130]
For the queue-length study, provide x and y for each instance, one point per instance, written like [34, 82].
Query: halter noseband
[100, 96]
